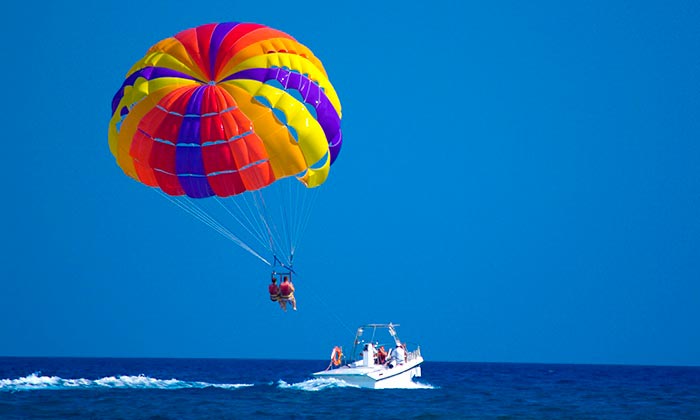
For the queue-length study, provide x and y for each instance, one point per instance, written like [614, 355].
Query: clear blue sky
[519, 182]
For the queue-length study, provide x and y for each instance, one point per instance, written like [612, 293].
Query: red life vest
[273, 289]
[285, 289]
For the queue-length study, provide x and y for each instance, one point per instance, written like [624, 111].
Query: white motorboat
[379, 360]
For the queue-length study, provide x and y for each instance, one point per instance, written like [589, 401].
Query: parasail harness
[281, 269]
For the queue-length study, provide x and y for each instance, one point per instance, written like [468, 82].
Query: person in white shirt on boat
[397, 355]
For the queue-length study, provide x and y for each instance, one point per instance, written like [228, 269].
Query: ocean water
[106, 388]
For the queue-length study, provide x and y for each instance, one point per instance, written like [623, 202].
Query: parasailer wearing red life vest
[287, 293]
[274, 290]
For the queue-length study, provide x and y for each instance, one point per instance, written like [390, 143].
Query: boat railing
[413, 354]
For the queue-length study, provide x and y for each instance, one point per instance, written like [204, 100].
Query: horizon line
[324, 360]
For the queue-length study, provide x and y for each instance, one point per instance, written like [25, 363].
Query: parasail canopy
[228, 109]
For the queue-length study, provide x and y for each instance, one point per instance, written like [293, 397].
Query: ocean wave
[39, 382]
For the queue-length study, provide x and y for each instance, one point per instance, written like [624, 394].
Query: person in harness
[287, 294]
[274, 290]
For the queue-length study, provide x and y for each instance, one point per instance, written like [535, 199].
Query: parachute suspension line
[294, 198]
[188, 206]
[304, 217]
[330, 310]
[262, 219]
[272, 230]
[247, 225]
[289, 193]
[252, 217]
[265, 220]
[284, 196]
[259, 218]
[248, 199]
[200, 215]
[271, 219]
[283, 229]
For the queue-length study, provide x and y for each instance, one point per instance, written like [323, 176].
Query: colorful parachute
[224, 109]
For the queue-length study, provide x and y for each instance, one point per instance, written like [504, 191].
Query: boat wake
[37, 382]
[319, 384]
[414, 385]
[315, 384]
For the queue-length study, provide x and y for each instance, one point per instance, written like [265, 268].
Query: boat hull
[378, 376]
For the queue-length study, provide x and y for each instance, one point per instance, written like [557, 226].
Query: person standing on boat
[287, 293]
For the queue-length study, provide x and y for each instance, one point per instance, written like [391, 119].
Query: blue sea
[110, 388]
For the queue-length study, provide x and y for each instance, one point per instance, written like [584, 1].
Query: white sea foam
[415, 385]
[316, 384]
[39, 382]
[319, 384]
